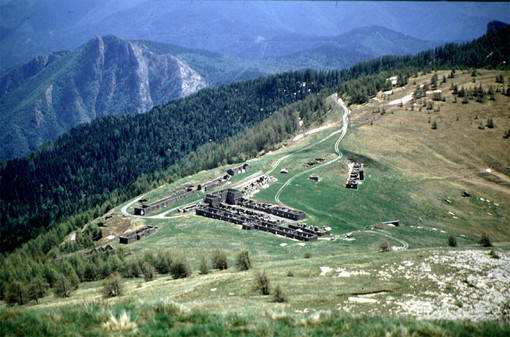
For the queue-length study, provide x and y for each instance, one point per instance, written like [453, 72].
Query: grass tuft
[121, 324]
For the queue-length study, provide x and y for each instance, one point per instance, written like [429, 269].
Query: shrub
[493, 255]
[162, 262]
[480, 126]
[434, 125]
[384, 246]
[204, 268]
[149, 273]
[290, 273]
[113, 285]
[243, 260]
[219, 260]
[262, 283]
[490, 123]
[452, 242]
[507, 134]
[307, 255]
[278, 295]
[180, 267]
[484, 240]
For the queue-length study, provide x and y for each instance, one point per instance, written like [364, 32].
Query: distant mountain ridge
[108, 75]
[49, 95]
[237, 28]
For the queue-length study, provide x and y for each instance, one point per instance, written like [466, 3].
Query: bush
[262, 283]
[384, 246]
[480, 126]
[434, 125]
[163, 261]
[278, 295]
[484, 240]
[307, 255]
[180, 267]
[149, 273]
[204, 268]
[113, 285]
[490, 123]
[290, 273]
[493, 255]
[452, 242]
[243, 260]
[219, 260]
[507, 134]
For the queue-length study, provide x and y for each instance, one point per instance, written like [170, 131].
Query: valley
[413, 172]
[368, 201]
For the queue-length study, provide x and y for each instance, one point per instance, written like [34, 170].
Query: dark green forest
[94, 166]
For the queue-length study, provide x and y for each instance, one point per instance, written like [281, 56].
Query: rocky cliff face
[49, 95]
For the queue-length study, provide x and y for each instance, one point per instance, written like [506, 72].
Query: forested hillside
[114, 158]
[49, 95]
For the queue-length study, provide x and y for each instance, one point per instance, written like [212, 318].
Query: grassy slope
[410, 169]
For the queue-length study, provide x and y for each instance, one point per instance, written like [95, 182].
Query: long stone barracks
[230, 205]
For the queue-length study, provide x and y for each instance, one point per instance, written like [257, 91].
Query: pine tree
[16, 293]
[62, 287]
[37, 289]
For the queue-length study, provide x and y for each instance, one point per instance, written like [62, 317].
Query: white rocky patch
[191, 81]
[360, 299]
[475, 287]
[344, 273]
[403, 100]
[325, 270]
[144, 92]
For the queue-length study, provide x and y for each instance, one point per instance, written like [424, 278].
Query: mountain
[241, 29]
[49, 95]
[108, 75]
[494, 26]
[377, 40]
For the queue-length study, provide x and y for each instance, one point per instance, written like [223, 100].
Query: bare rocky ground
[454, 285]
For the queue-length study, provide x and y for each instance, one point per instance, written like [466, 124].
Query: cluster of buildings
[230, 205]
[355, 175]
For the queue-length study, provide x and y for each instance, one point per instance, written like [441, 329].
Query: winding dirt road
[342, 132]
